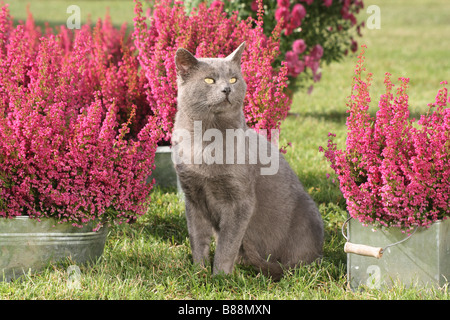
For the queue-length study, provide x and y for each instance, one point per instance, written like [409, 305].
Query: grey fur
[267, 221]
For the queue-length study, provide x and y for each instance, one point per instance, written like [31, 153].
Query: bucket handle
[364, 250]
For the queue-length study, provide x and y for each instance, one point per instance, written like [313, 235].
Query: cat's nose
[226, 90]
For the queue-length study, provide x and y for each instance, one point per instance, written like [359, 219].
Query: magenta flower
[295, 66]
[284, 3]
[313, 61]
[327, 3]
[316, 52]
[347, 15]
[282, 13]
[299, 46]
[254, 5]
[354, 46]
[297, 15]
[217, 4]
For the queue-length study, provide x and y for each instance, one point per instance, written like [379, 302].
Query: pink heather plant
[208, 32]
[392, 172]
[70, 145]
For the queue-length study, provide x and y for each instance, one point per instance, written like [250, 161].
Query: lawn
[151, 258]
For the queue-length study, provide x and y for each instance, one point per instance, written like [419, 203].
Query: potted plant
[208, 32]
[72, 156]
[394, 175]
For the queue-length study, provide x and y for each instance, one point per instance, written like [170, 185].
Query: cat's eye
[209, 80]
[233, 80]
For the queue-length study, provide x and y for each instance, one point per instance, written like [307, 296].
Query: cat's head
[210, 85]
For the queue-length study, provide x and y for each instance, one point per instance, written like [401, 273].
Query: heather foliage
[394, 171]
[209, 32]
[313, 31]
[74, 143]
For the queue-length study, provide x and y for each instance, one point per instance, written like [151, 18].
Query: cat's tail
[267, 268]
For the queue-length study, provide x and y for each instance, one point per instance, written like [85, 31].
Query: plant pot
[27, 244]
[422, 260]
[164, 172]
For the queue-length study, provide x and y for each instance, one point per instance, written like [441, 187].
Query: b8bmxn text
[225, 310]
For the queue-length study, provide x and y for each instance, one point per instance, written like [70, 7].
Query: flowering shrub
[394, 171]
[208, 32]
[70, 146]
[313, 31]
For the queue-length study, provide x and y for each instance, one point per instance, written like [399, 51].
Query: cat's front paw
[223, 268]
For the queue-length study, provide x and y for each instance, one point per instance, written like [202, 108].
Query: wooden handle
[363, 250]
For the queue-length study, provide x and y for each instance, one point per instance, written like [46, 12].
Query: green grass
[55, 11]
[151, 259]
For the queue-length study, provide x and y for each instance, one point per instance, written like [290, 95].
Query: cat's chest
[213, 174]
[215, 182]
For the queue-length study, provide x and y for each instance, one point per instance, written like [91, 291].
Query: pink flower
[313, 61]
[283, 3]
[316, 52]
[327, 3]
[295, 66]
[297, 15]
[216, 4]
[291, 57]
[299, 46]
[348, 15]
[282, 13]
[354, 46]
[254, 5]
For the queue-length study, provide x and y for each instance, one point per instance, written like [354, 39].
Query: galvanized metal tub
[423, 260]
[164, 173]
[29, 245]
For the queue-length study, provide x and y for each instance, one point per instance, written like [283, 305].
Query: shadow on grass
[165, 218]
[321, 188]
[340, 117]
[334, 116]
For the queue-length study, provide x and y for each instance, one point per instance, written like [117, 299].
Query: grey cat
[264, 220]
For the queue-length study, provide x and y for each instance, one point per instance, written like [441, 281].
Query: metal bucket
[164, 173]
[29, 245]
[423, 260]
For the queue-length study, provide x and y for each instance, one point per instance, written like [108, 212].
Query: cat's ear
[236, 55]
[185, 62]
